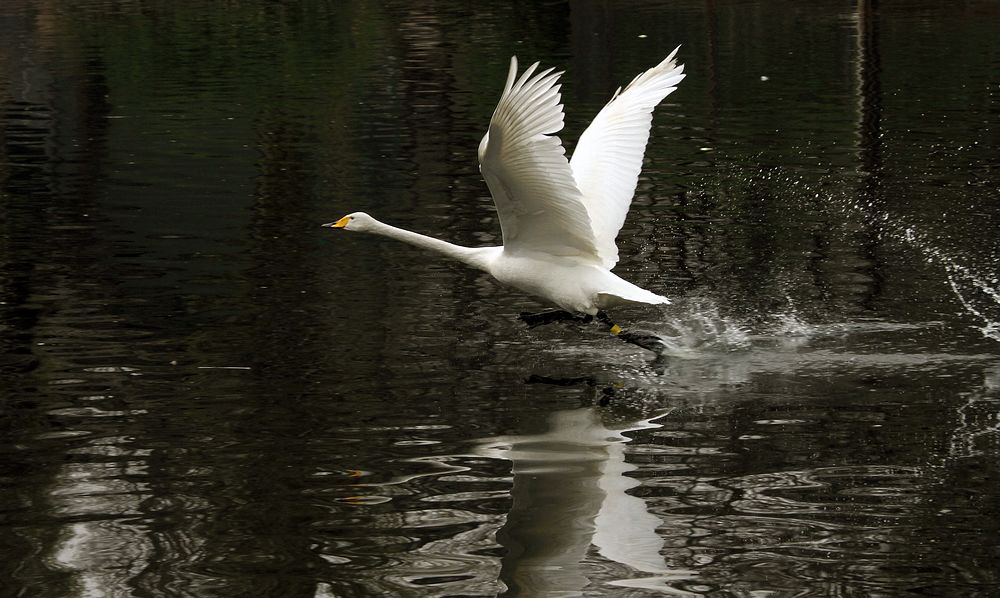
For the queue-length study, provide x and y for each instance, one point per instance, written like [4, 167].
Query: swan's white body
[559, 217]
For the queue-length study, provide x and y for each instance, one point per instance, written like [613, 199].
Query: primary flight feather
[559, 217]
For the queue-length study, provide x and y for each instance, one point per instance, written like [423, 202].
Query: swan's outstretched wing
[526, 169]
[608, 158]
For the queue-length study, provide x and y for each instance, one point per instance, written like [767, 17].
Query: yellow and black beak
[338, 224]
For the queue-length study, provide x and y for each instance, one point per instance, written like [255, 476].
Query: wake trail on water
[696, 329]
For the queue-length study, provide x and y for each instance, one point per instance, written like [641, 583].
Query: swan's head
[358, 221]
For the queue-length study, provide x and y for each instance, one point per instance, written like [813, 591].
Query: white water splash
[790, 323]
[978, 430]
[698, 329]
[959, 276]
[975, 286]
[978, 293]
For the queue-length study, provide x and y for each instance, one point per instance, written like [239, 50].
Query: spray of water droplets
[698, 329]
[977, 292]
[976, 287]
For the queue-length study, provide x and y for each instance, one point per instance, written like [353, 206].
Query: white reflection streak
[570, 492]
[625, 531]
[71, 554]
[103, 555]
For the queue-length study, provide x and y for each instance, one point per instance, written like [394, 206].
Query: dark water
[206, 394]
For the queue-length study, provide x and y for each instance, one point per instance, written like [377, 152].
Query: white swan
[559, 217]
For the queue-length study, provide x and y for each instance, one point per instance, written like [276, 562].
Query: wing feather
[608, 157]
[525, 166]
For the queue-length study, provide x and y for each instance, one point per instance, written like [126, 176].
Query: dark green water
[203, 393]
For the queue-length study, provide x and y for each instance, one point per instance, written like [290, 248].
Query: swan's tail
[623, 292]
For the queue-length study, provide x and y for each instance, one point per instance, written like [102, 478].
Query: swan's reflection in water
[570, 493]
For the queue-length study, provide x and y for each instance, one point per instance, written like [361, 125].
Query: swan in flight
[559, 217]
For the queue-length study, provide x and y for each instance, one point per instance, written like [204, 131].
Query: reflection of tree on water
[54, 291]
[869, 72]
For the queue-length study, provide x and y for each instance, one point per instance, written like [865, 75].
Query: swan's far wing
[608, 158]
[525, 166]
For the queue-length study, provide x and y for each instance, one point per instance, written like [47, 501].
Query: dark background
[203, 393]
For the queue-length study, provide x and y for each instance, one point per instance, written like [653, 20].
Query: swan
[559, 217]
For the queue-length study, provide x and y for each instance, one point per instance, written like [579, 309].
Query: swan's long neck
[477, 257]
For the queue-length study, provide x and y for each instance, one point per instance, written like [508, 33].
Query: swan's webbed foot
[640, 338]
[645, 339]
[551, 316]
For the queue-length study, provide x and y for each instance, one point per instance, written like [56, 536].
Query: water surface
[203, 393]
